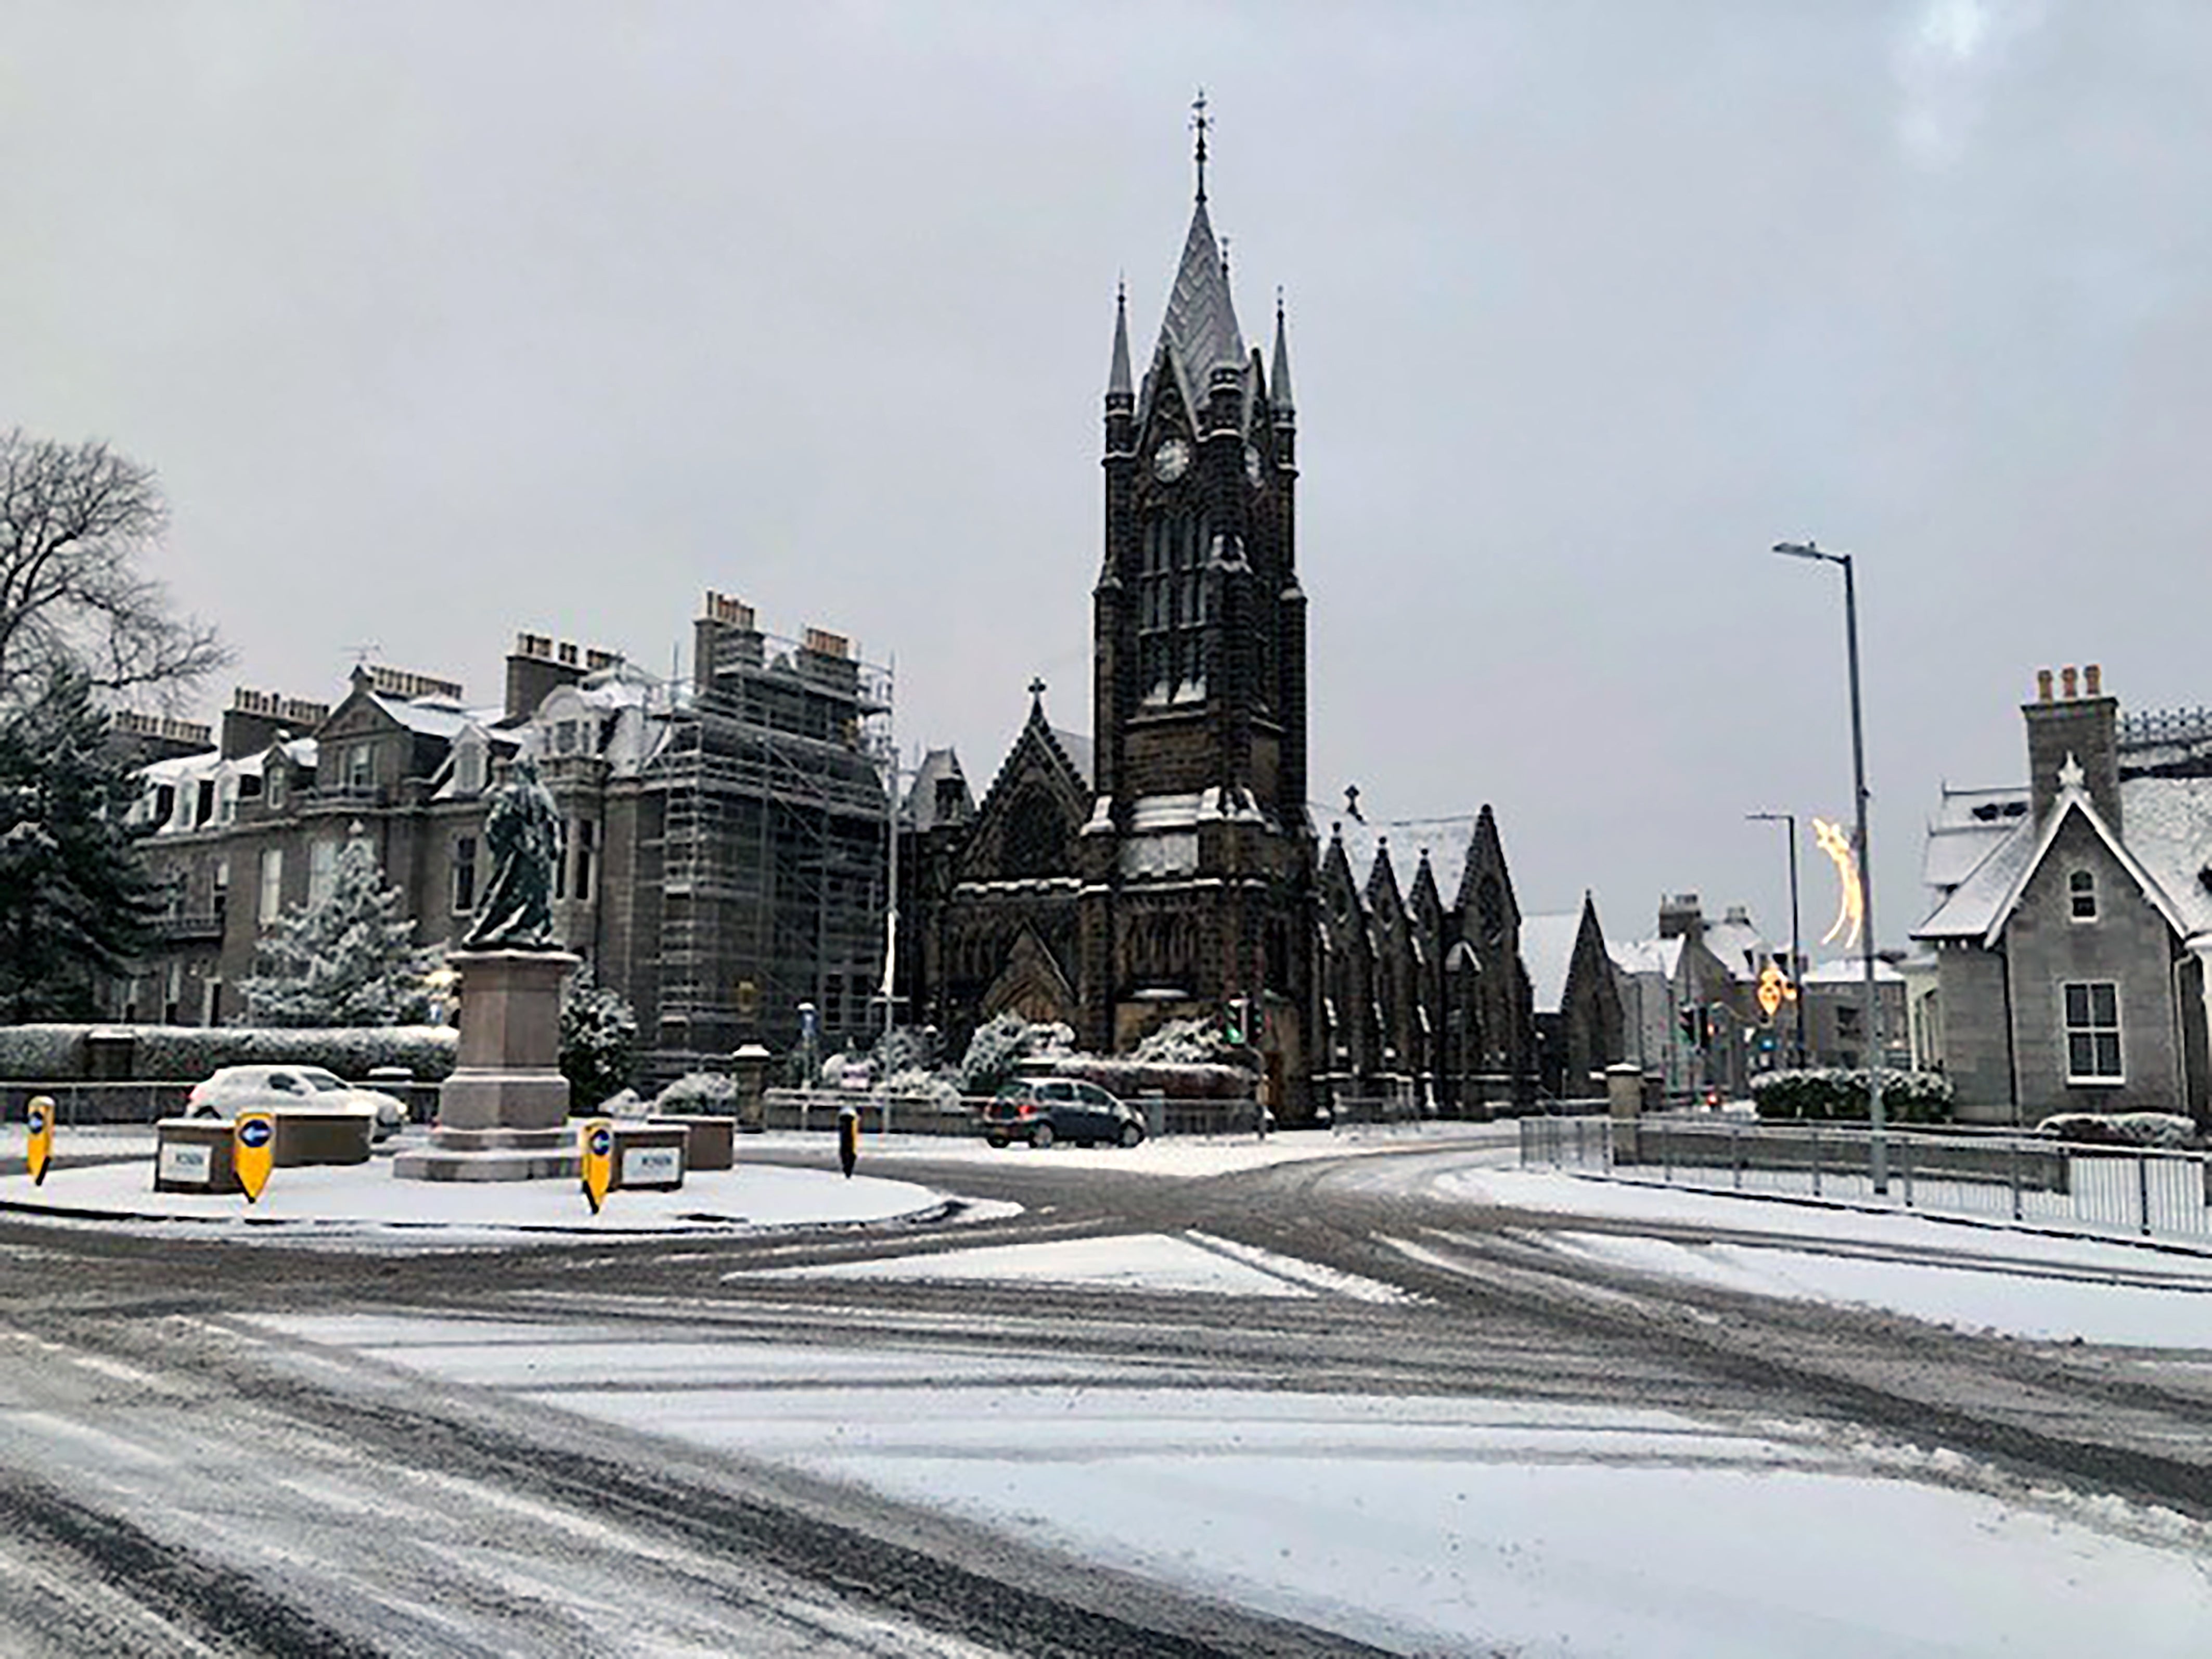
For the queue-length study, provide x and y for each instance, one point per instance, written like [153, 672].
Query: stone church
[1172, 866]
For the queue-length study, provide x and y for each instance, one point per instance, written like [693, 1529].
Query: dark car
[1042, 1110]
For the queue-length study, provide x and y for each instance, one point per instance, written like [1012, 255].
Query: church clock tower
[1197, 864]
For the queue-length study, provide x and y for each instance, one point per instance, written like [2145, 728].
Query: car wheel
[1131, 1134]
[1041, 1137]
[998, 1142]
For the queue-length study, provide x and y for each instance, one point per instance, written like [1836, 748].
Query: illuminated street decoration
[1774, 989]
[1851, 910]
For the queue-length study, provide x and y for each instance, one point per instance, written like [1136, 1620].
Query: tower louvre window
[1174, 606]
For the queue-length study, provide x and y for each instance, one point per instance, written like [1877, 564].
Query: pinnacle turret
[1119, 382]
[1278, 379]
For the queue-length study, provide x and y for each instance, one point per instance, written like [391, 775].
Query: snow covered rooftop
[1850, 970]
[1444, 840]
[1547, 951]
[1646, 955]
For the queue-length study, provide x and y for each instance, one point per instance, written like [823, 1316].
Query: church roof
[1199, 331]
[1547, 953]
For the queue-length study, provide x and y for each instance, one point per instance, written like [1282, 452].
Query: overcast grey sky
[445, 320]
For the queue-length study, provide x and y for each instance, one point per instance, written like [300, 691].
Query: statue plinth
[503, 1115]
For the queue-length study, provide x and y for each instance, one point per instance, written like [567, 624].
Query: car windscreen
[325, 1083]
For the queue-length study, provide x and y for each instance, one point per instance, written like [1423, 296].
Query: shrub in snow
[1004, 1043]
[599, 1041]
[1838, 1094]
[38, 1053]
[349, 959]
[623, 1103]
[1132, 1080]
[1185, 1042]
[907, 1048]
[928, 1088]
[2168, 1129]
[847, 1071]
[705, 1094]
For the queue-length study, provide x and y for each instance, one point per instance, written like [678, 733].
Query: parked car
[236, 1089]
[1042, 1110]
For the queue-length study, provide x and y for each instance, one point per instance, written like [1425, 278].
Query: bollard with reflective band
[849, 1138]
[39, 1122]
[253, 1152]
[599, 1166]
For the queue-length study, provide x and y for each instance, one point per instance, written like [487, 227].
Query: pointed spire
[1119, 383]
[1278, 380]
[1200, 122]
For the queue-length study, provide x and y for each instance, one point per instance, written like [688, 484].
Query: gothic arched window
[1036, 836]
[1174, 604]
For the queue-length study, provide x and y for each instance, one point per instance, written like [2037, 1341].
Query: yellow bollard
[39, 1122]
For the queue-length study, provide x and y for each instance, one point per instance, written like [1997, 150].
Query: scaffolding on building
[774, 846]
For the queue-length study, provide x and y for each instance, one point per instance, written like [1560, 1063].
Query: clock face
[1171, 460]
[1252, 465]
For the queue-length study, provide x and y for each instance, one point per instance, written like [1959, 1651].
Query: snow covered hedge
[699, 1094]
[1001, 1044]
[1835, 1094]
[2167, 1129]
[186, 1054]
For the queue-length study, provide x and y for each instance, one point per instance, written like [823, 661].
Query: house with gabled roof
[2070, 954]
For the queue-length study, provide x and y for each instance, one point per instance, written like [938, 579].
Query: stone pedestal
[749, 1070]
[1624, 1093]
[503, 1115]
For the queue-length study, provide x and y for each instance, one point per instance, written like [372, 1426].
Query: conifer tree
[75, 901]
[349, 959]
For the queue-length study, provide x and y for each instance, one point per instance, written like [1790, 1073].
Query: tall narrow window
[361, 766]
[322, 872]
[272, 886]
[1173, 606]
[561, 860]
[587, 836]
[465, 874]
[2093, 1032]
[2081, 894]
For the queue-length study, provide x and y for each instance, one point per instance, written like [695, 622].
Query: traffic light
[1692, 1020]
[1234, 1021]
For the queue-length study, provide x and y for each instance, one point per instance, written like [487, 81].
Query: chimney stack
[2082, 728]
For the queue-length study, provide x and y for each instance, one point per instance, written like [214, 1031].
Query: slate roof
[1739, 945]
[1200, 331]
[1547, 952]
[2167, 835]
[1446, 842]
[1661, 957]
[937, 765]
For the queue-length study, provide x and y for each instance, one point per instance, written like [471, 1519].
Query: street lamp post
[1871, 1016]
[1797, 949]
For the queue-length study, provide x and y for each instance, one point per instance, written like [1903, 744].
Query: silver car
[236, 1089]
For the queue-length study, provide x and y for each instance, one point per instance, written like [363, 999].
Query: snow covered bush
[1838, 1094]
[349, 959]
[907, 1048]
[932, 1088]
[186, 1054]
[2160, 1129]
[704, 1094]
[599, 1041]
[1002, 1043]
[37, 1054]
[1185, 1042]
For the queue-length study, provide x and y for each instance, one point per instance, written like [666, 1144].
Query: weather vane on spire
[1200, 121]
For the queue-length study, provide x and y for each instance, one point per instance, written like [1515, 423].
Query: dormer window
[469, 767]
[2081, 894]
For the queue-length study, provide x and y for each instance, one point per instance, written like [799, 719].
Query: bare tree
[74, 520]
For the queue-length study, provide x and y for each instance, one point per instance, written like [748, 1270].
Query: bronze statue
[522, 836]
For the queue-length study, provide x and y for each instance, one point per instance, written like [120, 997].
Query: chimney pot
[2043, 685]
[2092, 678]
[2066, 682]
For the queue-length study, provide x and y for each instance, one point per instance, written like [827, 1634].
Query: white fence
[2140, 1191]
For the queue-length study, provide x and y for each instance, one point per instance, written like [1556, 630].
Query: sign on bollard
[39, 1122]
[599, 1163]
[253, 1152]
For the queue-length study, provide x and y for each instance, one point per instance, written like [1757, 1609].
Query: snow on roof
[1972, 904]
[938, 766]
[1852, 970]
[1646, 955]
[1547, 952]
[2166, 822]
[1080, 751]
[1445, 842]
[1740, 947]
[433, 718]
[1965, 809]
[1955, 852]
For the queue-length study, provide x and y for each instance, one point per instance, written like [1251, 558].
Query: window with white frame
[2093, 1031]
[361, 766]
[322, 872]
[272, 886]
[2081, 894]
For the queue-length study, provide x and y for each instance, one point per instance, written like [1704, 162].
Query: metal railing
[2146, 1192]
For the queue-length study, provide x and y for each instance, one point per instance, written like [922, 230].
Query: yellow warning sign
[599, 1160]
[39, 1121]
[253, 1150]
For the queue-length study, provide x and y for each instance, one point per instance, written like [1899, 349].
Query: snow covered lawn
[364, 1201]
